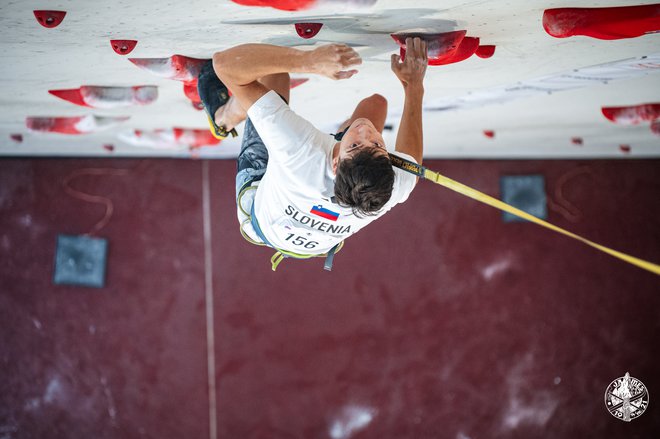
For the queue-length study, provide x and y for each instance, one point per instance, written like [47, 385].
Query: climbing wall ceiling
[519, 92]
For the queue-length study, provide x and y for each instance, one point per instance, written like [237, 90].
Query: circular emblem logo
[626, 398]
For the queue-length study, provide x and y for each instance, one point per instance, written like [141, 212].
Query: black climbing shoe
[214, 94]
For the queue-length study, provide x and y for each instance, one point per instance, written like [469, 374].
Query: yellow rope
[487, 199]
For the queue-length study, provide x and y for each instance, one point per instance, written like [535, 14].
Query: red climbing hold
[603, 23]
[624, 148]
[295, 82]
[438, 45]
[446, 50]
[63, 125]
[577, 141]
[632, 115]
[466, 49]
[489, 133]
[72, 95]
[485, 51]
[170, 138]
[123, 47]
[108, 97]
[308, 30]
[194, 138]
[284, 5]
[655, 127]
[178, 67]
[109, 147]
[72, 125]
[18, 138]
[49, 19]
[190, 90]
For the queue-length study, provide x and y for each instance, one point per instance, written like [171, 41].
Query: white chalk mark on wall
[350, 420]
[499, 266]
[534, 407]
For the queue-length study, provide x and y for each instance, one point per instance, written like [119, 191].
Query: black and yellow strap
[437, 178]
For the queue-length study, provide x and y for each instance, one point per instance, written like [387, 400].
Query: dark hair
[364, 182]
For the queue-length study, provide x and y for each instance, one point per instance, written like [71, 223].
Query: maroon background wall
[437, 321]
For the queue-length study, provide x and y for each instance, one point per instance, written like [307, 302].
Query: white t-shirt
[293, 200]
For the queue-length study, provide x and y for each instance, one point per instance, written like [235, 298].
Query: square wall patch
[527, 193]
[80, 260]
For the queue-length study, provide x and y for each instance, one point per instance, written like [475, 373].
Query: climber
[299, 190]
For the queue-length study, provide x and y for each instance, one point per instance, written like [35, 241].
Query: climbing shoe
[214, 94]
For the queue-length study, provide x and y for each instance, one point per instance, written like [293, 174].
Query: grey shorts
[251, 167]
[253, 158]
[252, 162]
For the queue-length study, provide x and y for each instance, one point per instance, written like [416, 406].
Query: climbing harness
[437, 178]
[280, 254]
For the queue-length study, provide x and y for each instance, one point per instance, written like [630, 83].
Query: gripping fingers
[345, 74]
[411, 44]
[350, 57]
[352, 61]
[425, 50]
[396, 60]
[416, 42]
[421, 48]
[417, 48]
